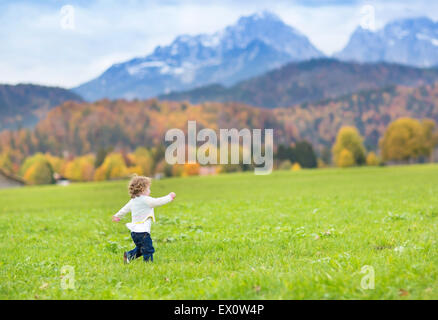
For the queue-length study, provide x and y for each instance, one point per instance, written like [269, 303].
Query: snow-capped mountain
[411, 41]
[253, 45]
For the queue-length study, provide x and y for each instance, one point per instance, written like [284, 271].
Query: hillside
[81, 128]
[23, 105]
[309, 81]
[370, 111]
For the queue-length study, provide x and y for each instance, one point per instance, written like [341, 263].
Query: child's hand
[116, 219]
[172, 195]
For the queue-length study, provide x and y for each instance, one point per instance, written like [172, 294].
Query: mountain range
[253, 45]
[310, 81]
[412, 41]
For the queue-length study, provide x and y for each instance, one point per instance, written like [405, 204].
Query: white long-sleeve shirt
[142, 212]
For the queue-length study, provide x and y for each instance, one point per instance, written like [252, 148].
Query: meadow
[289, 235]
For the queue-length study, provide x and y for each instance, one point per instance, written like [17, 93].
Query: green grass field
[289, 235]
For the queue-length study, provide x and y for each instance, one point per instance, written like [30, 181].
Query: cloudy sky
[40, 43]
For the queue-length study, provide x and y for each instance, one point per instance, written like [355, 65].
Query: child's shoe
[126, 258]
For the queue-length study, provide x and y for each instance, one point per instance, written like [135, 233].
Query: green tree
[305, 155]
[285, 153]
[100, 156]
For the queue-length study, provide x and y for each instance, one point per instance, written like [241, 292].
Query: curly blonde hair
[138, 185]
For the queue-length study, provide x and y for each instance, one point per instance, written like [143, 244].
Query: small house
[60, 180]
[8, 180]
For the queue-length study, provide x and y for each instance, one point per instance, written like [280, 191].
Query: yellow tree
[57, 163]
[143, 161]
[5, 162]
[345, 159]
[372, 159]
[113, 167]
[80, 169]
[177, 170]
[407, 139]
[39, 171]
[191, 169]
[296, 167]
[30, 161]
[349, 139]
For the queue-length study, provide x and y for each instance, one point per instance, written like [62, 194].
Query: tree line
[405, 140]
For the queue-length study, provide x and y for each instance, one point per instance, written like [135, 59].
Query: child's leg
[136, 252]
[147, 249]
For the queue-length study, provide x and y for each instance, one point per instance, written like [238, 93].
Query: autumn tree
[345, 159]
[372, 159]
[37, 170]
[191, 169]
[321, 163]
[57, 163]
[142, 160]
[29, 161]
[296, 167]
[113, 167]
[80, 168]
[407, 139]
[6, 162]
[348, 139]
[177, 170]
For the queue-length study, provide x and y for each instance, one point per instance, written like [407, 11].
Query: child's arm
[122, 212]
[157, 202]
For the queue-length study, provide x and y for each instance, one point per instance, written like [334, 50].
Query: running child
[141, 207]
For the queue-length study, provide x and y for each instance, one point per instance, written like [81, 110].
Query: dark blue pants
[143, 246]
